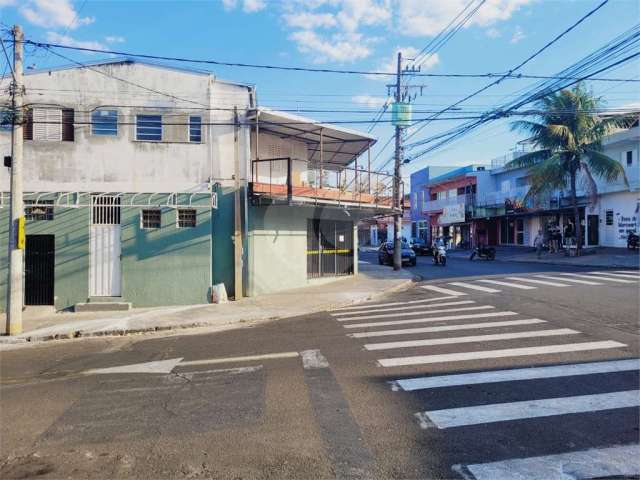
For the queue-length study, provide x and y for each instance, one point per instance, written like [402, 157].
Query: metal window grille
[105, 210]
[149, 127]
[186, 218]
[195, 129]
[609, 217]
[104, 122]
[41, 211]
[151, 218]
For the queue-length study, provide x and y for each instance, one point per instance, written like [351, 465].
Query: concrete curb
[118, 332]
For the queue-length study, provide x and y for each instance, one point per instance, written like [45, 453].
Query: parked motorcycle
[633, 240]
[488, 253]
[439, 255]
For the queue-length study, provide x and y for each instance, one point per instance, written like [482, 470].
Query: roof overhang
[340, 146]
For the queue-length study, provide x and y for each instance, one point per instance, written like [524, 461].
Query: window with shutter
[28, 125]
[68, 117]
[47, 124]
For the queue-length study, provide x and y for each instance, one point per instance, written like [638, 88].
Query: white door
[104, 266]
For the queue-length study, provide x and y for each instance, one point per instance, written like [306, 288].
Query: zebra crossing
[452, 330]
[535, 281]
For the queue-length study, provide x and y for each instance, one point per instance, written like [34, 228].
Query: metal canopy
[340, 146]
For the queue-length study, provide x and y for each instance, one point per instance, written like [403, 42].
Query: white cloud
[53, 14]
[248, 6]
[7, 3]
[114, 39]
[310, 21]
[341, 47]
[58, 38]
[229, 4]
[369, 100]
[518, 35]
[493, 33]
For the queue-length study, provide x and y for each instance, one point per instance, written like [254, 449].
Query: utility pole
[16, 225]
[237, 231]
[397, 194]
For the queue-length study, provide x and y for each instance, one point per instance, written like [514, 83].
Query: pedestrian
[538, 242]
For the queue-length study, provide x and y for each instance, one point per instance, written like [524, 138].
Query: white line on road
[159, 366]
[612, 462]
[410, 314]
[629, 272]
[446, 328]
[391, 304]
[444, 291]
[567, 279]
[546, 407]
[594, 277]
[313, 359]
[474, 287]
[615, 275]
[509, 352]
[509, 284]
[470, 339]
[435, 305]
[539, 282]
[530, 373]
[249, 358]
[433, 319]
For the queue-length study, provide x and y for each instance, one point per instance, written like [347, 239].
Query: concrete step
[102, 306]
[104, 300]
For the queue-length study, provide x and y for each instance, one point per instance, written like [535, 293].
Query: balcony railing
[294, 180]
[498, 198]
[434, 205]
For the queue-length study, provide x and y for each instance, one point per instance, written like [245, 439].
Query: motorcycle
[439, 255]
[633, 241]
[488, 253]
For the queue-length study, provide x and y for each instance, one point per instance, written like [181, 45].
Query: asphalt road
[367, 392]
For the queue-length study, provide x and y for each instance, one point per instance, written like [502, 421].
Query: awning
[340, 146]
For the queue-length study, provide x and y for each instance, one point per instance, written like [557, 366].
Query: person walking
[538, 242]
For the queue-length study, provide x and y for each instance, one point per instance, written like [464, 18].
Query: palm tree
[568, 133]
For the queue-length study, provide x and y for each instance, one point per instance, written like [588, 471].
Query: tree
[567, 133]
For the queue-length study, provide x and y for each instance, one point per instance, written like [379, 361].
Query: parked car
[421, 247]
[385, 254]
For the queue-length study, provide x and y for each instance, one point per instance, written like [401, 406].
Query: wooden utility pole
[397, 194]
[237, 206]
[16, 225]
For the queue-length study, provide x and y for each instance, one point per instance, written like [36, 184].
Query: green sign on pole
[401, 114]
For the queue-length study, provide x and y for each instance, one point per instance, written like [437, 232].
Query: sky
[348, 34]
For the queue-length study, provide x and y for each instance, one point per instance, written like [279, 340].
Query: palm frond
[546, 176]
[604, 166]
[589, 184]
[529, 159]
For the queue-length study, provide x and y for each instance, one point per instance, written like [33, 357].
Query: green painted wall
[71, 230]
[222, 231]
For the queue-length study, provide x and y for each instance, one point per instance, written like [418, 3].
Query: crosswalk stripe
[509, 352]
[474, 287]
[391, 304]
[610, 462]
[539, 282]
[595, 277]
[412, 307]
[444, 291]
[446, 328]
[432, 319]
[530, 373]
[508, 284]
[567, 279]
[629, 272]
[470, 339]
[615, 275]
[410, 314]
[546, 407]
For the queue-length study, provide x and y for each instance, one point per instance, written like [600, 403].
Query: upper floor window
[104, 122]
[630, 158]
[522, 181]
[6, 120]
[195, 129]
[149, 127]
[50, 124]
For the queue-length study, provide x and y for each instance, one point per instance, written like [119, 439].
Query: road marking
[546, 407]
[249, 358]
[445, 291]
[474, 287]
[424, 300]
[470, 339]
[160, 366]
[509, 352]
[539, 282]
[410, 314]
[615, 275]
[531, 373]
[628, 272]
[566, 279]
[593, 277]
[445, 304]
[446, 328]
[433, 319]
[313, 359]
[612, 462]
[507, 284]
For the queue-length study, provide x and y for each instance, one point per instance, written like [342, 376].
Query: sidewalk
[372, 282]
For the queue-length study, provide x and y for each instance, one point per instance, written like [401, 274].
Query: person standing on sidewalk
[538, 242]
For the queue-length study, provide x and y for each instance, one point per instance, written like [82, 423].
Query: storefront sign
[452, 214]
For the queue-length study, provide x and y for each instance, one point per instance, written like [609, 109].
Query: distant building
[420, 226]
